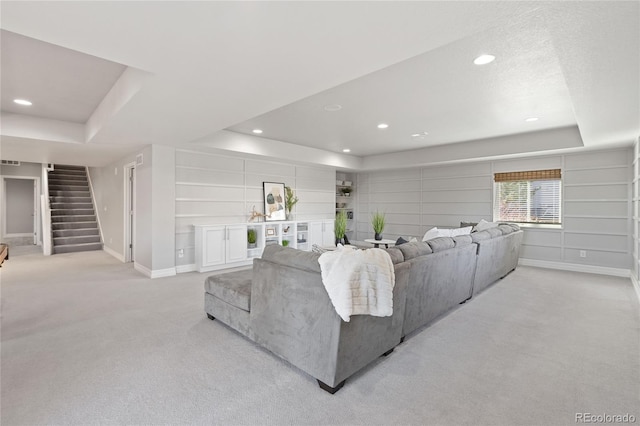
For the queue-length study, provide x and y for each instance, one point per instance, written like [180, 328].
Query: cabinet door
[328, 235]
[213, 245]
[236, 243]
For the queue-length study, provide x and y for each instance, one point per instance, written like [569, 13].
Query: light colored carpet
[88, 340]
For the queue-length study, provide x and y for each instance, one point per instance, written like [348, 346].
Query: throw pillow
[461, 231]
[401, 240]
[483, 225]
[431, 233]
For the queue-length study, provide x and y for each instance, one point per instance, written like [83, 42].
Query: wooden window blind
[528, 175]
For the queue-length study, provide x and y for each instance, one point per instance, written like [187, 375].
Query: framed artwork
[271, 232]
[274, 202]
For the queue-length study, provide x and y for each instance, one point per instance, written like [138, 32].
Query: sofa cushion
[462, 240]
[295, 258]
[233, 287]
[461, 231]
[442, 243]
[494, 232]
[480, 236]
[395, 254]
[505, 229]
[401, 240]
[414, 249]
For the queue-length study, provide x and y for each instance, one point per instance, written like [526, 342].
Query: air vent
[10, 163]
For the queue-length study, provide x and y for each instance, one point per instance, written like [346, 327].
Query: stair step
[73, 218]
[66, 187]
[74, 225]
[61, 199]
[70, 205]
[77, 247]
[76, 239]
[68, 178]
[71, 212]
[75, 232]
[60, 193]
[67, 167]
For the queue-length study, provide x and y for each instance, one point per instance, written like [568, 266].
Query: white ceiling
[210, 70]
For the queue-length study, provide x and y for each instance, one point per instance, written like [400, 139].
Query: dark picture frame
[275, 207]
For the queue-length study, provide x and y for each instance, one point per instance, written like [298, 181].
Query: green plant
[340, 225]
[377, 221]
[252, 236]
[285, 243]
[290, 198]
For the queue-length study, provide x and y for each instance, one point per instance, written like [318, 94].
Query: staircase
[73, 219]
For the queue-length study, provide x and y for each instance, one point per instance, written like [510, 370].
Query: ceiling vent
[10, 163]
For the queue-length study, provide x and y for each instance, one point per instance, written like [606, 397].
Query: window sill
[539, 225]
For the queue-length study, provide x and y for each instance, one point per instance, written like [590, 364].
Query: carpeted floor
[88, 340]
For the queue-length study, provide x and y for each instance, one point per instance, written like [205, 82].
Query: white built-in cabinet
[322, 233]
[226, 246]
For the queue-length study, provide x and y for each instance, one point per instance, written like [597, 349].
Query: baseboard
[185, 268]
[576, 267]
[156, 273]
[636, 285]
[113, 253]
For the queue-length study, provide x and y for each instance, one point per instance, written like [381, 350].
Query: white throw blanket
[359, 282]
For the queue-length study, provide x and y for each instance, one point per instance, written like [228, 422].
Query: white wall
[596, 204]
[635, 227]
[215, 188]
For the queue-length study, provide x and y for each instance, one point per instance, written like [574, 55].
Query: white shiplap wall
[217, 189]
[596, 204]
[635, 196]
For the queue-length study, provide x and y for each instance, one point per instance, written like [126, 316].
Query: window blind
[528, 197]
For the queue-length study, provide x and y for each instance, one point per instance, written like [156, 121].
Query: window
[528, 197]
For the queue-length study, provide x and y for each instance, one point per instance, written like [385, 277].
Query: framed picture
[271, 232]
[274, 201]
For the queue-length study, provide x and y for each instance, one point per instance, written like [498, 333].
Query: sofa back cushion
[441, 243]
[462, 240]
[306, 260]
[414, 249]
[396, 254]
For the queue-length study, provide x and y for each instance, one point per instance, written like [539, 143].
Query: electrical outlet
[181, 253]
[583, 253]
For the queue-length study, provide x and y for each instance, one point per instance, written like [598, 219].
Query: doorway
[20, 212]
[129, 211]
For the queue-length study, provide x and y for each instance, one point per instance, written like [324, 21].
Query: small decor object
[256, 214]
[252, 237]
[274, 202]
[271, 232]
[346, 191]
[285, 243]
[340, 227]
[377, 221]
[291, 200]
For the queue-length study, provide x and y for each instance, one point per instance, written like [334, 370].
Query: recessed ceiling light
[484, 59]
[383, 126]
[333, 107]
[22, 102]
[415, 135]
[257, 131]
[530, 119]
[419, 135]
[346, 150]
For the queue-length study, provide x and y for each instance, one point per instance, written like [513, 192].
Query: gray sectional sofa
[281, 303]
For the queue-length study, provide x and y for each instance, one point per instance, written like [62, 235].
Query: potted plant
[285, 243]
[291, 200]
[252, 237]
[340, 227]
[377, 221]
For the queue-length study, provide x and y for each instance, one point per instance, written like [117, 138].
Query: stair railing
[45, 208]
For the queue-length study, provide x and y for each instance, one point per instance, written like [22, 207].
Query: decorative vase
[252, 245]
[377, 236]
[339, 241]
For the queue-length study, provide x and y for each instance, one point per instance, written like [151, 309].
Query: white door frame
[36, 207]
[129, 211]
